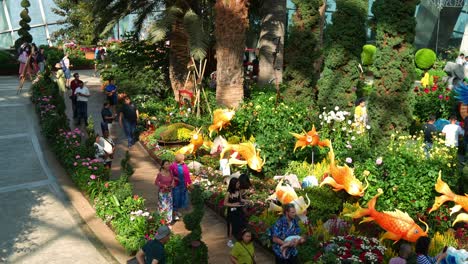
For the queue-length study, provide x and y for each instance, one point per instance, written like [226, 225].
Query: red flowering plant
[439, 220]
[461, 234]
[352, 249]
[435, 100]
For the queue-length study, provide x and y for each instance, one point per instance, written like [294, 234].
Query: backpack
[64, 68]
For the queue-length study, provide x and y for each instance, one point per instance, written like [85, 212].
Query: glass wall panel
[35, 13]
[3, 20]
[14, 9]
[50, 16]
[5, 40]
[39, 35]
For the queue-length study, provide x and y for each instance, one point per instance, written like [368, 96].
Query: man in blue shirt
[111, 92]
[286, 226]
[153, 251]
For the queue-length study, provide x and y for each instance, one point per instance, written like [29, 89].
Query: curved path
[213, 226]
[38, 224]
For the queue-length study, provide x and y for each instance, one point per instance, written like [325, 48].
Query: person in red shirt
[73, 85]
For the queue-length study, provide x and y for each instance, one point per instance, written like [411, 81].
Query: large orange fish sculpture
[196, 141]
[285, 194]
[221, 119]
[461, 201]
[342, 178]
[251, 156]
[310, 138]
[399, 225]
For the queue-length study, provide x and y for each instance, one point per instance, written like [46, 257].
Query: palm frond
[159, 28]
[144, 13]
[198, 39]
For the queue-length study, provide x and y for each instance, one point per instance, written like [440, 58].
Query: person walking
[243, 251]
[82, 93]
[73, 86]
[180, 193]
[65, 62]
[422, 252]
[286, 226]
[128, 119]
[41, 60]
[235, 216]
[403, 254]
[111, 92]
[429, 131]
[164, 182]
[107, 117]
[60, 78]
[452, 132]
[153, 251]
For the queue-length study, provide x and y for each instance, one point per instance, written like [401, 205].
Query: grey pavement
[37, 222]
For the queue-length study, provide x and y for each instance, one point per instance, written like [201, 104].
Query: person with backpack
[65, 62]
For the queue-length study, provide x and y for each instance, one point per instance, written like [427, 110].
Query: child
[289, 241]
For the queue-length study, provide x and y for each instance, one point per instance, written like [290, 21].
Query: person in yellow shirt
[243, 251]
[360, 116]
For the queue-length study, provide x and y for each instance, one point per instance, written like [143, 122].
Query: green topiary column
[344, 39]
[23, 32]
[391, 103]
[301, 52]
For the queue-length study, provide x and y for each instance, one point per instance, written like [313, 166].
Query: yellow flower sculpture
[221, 119]
[196, 141]
[310, 138]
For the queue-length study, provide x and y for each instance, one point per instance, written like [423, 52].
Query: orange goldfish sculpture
[399, 225]
[248, 152]
[285, 194]
[221, 119]
[461, 218]
[342, 178]
[447, 195]
[310, 138]
[196, 141]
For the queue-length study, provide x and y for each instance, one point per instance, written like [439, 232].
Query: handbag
[253, 260]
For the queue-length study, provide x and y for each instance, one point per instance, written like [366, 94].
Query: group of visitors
[172, 183]
[32, 60]
[422, 253]
[451, 131]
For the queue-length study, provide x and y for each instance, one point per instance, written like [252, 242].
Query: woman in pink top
[165, 181]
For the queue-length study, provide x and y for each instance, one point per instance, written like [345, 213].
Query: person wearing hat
[153, 251]
[60, 76]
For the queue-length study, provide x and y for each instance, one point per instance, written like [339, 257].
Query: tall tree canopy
[344, 39]
[390, 105]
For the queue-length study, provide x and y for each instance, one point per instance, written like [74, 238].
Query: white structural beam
[44, 20]
[10, 27]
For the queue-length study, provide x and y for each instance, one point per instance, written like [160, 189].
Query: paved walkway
[38, 223]
[213, 226]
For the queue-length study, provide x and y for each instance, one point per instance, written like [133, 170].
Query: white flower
[320, 116]
[337, 108]
[349, 122]
[132, 218]
[353, 138]
[343, 128]
[349, 160]
[368, 127]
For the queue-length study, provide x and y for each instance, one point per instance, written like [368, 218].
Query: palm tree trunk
[231, 23]
[178, 58]
[273, 27]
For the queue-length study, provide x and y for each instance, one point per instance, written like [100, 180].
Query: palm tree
[178, 22]
[231, 23]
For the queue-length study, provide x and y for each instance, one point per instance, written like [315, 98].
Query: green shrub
[171, 132]
[425, 58]
[368, 54]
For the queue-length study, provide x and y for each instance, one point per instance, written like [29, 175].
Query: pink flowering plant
[88, 174]
[351, 249]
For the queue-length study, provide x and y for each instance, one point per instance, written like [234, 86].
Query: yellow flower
[366, 173]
